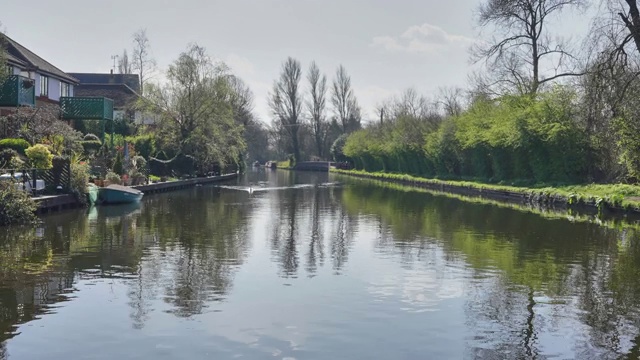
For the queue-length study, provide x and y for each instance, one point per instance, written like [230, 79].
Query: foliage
[197, 115]
[79, 180]
[42, 126]
[39, 156]
[144, 144]
[118, 166]
[19, 145]
[513, 138]
[113, 177]
[337, 148]
[91, 146]
[6, 158]
[16, 206]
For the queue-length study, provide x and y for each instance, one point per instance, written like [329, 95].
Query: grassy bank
[611, 196]
[286, 165]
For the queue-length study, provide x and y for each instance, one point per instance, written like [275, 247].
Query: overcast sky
[386, 46]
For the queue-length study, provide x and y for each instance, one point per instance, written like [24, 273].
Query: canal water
[284, 265]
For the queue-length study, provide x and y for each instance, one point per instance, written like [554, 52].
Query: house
[124, 89]
[34, 80]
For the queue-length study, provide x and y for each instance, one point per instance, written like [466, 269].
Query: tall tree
[124, 64]
[522, 48]
[317, 106]
[345, 104]
[285, 101]
[143, 63]
[197, 114]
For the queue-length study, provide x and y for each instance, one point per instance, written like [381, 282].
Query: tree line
[542, 110]
[307, 120]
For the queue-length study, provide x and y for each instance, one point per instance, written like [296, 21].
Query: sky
[386, 46]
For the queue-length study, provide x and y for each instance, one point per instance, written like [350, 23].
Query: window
[64, 89]
[44, 85]
[9, 70]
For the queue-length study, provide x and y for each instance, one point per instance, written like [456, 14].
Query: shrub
[91, 146]
[143, 144]
[16, 206]
[113, 177]
[19, 145]
[118, 167]
[6, 157]
[79, 180]
[39, 156]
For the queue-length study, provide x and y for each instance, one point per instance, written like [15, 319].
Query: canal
[284, 265]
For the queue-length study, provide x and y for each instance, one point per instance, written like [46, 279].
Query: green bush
[19, 145]
[79, 180]
[91, 146]
[113, 178]
[143, 144]
[514, 138]
[16, 206]
[118, 166]
[39, 156]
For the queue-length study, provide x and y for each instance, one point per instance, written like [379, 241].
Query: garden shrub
[19, 145]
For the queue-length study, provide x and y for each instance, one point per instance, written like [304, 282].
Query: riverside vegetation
[203, 122]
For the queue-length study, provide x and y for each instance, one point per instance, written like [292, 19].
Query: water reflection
[308, 267]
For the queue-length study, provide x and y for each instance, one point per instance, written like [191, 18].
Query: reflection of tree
[284, 241]
[586, 273]
[203, 239]
[315, 250]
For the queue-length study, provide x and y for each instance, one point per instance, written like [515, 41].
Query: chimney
[111, 71]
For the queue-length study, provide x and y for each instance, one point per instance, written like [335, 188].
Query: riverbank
[598, 197]
[53, 203]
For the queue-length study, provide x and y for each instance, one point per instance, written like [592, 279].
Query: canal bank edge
[48, 204]
[548, 196]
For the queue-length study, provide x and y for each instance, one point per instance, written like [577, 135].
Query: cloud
[420, 39]
[241, 66]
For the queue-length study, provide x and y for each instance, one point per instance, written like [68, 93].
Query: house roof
[131, 80]
[121, 94]
[23, 57]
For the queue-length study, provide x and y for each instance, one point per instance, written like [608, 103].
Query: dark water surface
[307, 268]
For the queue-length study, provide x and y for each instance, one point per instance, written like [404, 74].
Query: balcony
[86, 108]
[17, 91]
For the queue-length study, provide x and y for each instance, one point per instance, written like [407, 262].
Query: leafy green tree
[197, 116]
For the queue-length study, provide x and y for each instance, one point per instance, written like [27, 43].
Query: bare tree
[345, 104]
[143, 62]
[124, 64]
[631, 20]
[316, 106]
[450, 98]
[285, 101]
[522, 54]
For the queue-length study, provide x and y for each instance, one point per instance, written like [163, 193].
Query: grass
[621, 196]
[284, 164]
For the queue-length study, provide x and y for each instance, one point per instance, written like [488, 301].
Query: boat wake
[262, 188]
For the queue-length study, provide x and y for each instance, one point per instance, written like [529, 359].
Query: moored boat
[118, 194]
